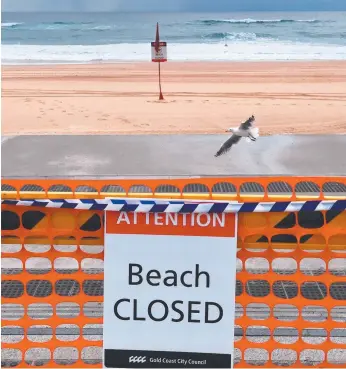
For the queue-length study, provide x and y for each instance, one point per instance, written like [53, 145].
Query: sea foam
[235, 51]
[10, 24]
[256, 21]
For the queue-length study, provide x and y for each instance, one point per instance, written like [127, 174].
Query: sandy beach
[285, 97]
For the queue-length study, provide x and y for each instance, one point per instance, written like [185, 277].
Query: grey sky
[172, 5]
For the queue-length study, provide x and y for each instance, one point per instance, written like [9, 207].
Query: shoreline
[200, 97]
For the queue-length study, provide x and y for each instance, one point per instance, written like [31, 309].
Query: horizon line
[176, 11]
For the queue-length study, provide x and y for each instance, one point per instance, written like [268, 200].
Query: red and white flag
[157, 40]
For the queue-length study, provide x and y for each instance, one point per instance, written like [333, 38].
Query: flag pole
[161, 95]
[157, 47]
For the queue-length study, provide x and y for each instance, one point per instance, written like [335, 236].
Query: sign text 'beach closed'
[169, 290]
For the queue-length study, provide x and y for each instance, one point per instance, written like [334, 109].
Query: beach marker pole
[159, 54]
[161, 95]
[157, 49]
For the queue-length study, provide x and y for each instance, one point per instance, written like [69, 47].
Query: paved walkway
[171, 155]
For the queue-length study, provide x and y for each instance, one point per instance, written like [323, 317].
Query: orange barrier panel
[290, 292]
[54, 285]
[241, 188]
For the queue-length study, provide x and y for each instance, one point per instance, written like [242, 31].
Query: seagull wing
[228, 144]
[247, 124]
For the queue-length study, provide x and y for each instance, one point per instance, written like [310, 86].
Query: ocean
[45, 38]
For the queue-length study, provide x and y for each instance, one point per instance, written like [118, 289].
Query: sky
[172, 5]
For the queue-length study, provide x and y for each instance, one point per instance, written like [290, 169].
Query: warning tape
[176, 206]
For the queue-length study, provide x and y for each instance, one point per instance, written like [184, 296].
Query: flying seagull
[246, 129]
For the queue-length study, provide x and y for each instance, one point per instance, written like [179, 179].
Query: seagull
[246, 129]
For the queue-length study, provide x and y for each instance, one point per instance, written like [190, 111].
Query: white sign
[159, 55]
[169, 290]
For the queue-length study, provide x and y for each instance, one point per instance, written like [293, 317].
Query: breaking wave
[48, 25]
[241, 36]
[10, 24]
[253, 51]
[257, 21]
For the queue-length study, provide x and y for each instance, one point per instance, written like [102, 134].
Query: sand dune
[286, 97]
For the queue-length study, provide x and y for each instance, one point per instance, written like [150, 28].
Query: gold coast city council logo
[137, 359]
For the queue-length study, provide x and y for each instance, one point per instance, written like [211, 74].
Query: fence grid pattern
[290, 289]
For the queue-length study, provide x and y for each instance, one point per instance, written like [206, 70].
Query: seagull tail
[255, 132]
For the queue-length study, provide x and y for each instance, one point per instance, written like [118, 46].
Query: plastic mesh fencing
[290, 289]
[52, 287]
[241, 189]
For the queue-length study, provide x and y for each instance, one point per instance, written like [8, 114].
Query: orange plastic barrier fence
[242, 188]
[291, 288]
[291, 272]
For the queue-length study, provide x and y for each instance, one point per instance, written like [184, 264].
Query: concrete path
[171, 155]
